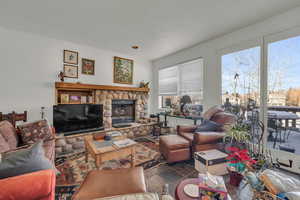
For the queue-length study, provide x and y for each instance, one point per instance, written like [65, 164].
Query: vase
[235, 178]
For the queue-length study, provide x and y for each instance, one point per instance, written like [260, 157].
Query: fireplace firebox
[123, 111]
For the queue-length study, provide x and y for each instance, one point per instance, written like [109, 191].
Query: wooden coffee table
[109, 152]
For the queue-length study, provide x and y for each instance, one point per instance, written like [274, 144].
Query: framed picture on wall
[87, 66]
[123, 70]
[71, 57]
[75, 99]
[64, 98]
[70, 71]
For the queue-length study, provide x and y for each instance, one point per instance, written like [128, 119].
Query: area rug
[74, 169]
[72, 172]
[65, 192]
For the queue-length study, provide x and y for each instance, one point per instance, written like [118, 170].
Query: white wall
[209, 51]
[30, 63]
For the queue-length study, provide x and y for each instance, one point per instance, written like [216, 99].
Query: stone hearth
[69, 145]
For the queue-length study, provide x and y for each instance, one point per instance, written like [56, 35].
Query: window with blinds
[190, 78]
[179, 80]
[168, 81]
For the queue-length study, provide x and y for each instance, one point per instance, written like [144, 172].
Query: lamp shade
[185, 99]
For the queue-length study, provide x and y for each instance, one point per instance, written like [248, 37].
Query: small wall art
[88, 66]
[71, 57]
[70, 71]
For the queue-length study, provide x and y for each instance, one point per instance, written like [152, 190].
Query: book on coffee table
[124, 143]
[102, 144]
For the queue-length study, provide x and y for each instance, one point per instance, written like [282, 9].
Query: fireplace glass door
[123, 111]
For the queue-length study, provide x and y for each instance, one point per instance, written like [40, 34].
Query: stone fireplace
[123, 111]
[134, 103]
[125, 103]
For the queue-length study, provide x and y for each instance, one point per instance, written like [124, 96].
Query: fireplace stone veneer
[105, 97]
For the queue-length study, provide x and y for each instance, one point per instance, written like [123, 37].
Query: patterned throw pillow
[8, 132]
[32, 132]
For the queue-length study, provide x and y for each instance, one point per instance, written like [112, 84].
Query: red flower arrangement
[239, 158]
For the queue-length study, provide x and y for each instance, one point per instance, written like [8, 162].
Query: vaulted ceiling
[159, 27]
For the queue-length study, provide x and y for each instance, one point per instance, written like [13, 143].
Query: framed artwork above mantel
[88, 66]
[123, 70]
[70, 71]
[71, 57]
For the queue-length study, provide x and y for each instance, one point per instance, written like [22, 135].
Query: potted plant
[238, 160]
[237, 136]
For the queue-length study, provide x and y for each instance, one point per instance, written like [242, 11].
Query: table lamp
[184, 100]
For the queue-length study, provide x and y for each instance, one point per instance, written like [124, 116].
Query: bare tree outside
[240, 76]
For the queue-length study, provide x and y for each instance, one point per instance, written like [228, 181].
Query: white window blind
[168, 81]
[191, 77]
[183, 79]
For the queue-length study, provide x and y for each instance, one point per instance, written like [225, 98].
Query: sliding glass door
[240, 78]
[241, 86]
[283, 102]
[260, 82]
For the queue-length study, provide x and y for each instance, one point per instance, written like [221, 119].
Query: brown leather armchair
[201, 141]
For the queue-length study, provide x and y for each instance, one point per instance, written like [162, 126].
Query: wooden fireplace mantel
[80, 86]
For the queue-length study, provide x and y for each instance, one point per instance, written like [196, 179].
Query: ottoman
[174, 148]
[108, 183]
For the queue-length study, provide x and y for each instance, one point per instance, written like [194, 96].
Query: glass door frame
[257, 42]
[280, 156]
[263, 43]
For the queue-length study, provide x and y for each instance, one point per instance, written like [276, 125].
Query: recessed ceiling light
[135, 47]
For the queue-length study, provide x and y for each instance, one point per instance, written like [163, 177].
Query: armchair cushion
[32, 132]
[188, 136]
[186, 129]
[208, 137]
[8, 132]
[174, 142]
[107, 183]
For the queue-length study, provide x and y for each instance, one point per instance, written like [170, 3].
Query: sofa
[38, 185]
[117, 184]
[13, 139]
